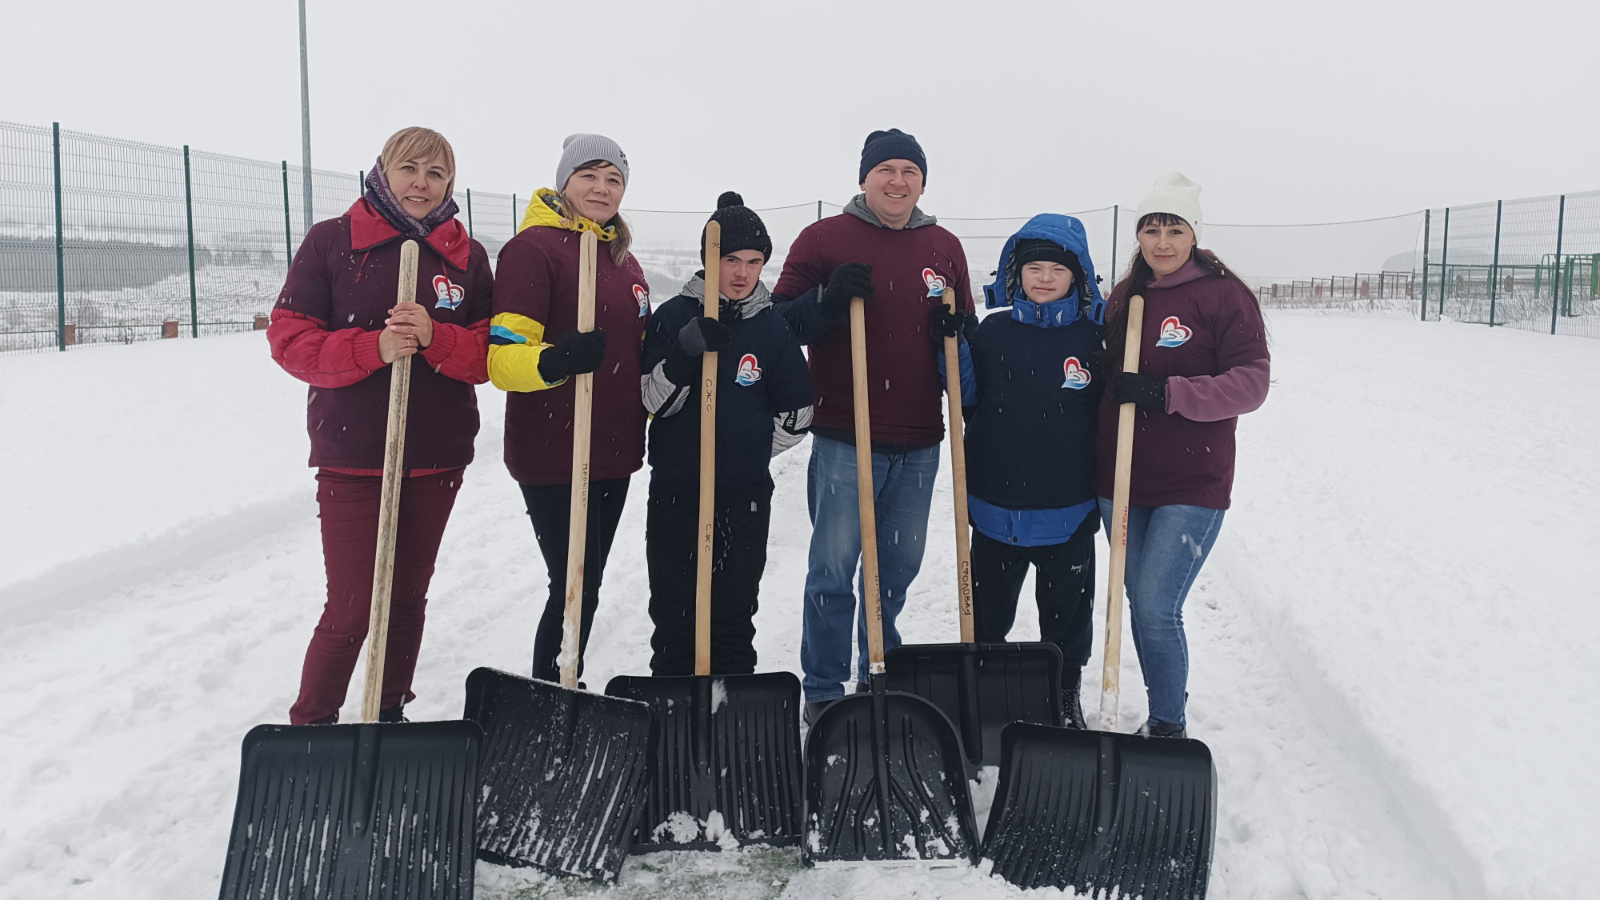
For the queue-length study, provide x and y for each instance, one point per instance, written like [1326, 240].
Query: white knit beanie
[1174, 193]
[578, 149]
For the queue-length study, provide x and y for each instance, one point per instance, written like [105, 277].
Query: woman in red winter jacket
[338, 327]
[1203, 362]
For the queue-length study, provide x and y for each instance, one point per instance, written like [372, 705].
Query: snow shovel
[885, 775]
[1100, 812]
[981, 687]
[726, 767]
[357, 811]
[563, 770]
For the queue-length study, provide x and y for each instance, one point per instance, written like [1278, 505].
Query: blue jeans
[903, 485]
[1167, 545]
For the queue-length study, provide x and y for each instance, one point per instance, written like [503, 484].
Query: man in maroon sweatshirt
[886, 250]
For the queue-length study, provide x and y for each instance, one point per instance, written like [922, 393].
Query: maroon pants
[348, 508]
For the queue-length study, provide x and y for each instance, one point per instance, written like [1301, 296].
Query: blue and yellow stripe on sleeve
[515, 345]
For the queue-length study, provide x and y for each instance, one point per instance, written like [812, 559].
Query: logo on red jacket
[642, 294]
[1077, 375]
[934, 281]
[749, 370]
[1174, 333]
[450, 295]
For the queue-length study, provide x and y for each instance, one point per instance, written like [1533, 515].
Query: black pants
[550, 508]
[739, 556]
[1064, 589]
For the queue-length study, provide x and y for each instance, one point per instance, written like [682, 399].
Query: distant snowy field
[1393, 657]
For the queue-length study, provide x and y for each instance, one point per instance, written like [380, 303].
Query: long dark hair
[1137, 279]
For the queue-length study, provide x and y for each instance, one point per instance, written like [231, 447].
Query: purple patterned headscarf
[383, 200]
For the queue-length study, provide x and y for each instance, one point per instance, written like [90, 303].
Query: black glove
[942, 323]
[847, 281]
[577, 352]
[1131, 387]
[704, 333]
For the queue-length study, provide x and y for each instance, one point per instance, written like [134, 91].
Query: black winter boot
[1158, 728]
[1071, 705]
[393, 714]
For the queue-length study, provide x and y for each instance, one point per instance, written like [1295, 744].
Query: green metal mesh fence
[155, 241]
[1530, 263]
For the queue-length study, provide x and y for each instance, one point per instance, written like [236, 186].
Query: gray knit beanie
[578, 149]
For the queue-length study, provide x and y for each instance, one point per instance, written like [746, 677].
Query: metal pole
[288, 231]
[514, 221]
[469, 214]
[1555, 280]
[61, 255]
[1494, 268]
[305, 119]
[1116, 225]
[1444, 262]
[188, 212]
[1427, 240]
[819, 210]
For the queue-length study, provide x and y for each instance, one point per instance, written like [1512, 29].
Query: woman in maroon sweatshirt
[337, 327]
[535, 348]
[1203, 362]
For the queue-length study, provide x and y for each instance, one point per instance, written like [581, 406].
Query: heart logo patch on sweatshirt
[1173, 333]
[749, 370]
[1077, 375]
[642, 294]
[450, 295]
[934, 281]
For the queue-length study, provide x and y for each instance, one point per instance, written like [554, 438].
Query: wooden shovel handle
[958, 472]
[1111, 686]
[578, 521]
[394, 451]
[869, 515]
[708, 459]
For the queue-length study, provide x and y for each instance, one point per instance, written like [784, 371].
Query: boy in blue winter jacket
[1030, 393]
[763, 408]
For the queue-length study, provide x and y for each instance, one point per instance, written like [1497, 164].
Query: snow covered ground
[1389, 645]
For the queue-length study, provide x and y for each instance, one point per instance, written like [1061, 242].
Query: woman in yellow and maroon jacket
[336, 326]
[537, 300]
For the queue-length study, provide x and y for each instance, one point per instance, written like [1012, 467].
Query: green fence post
[288, 230]
[469, 214]
[61, 247]
[1427, 242]
[188, 213]
[1555, 279]
[1494, 268]
[1444, 263]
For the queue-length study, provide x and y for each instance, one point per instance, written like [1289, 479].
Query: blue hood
[1067, 232]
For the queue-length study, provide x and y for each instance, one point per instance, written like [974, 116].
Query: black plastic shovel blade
[885, 780]
[354, 811]
[726, 766]
[1103, 814]
[563, 774]
[982, 688]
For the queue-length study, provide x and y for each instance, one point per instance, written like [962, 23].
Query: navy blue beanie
[891, 144]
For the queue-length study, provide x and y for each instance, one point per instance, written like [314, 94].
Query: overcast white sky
[1284, 111]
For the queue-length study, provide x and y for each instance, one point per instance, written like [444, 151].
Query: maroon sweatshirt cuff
[365, 350]
[1212, 398]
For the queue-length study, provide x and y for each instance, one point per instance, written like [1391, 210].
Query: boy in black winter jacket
[763, 408]
[1030, 390]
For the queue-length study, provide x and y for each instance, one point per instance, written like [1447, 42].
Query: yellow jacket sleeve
[515, 345]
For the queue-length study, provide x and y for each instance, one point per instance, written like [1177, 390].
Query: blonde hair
[417, 142]
[618, 245]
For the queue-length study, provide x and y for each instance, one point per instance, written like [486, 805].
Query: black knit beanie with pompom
[742, 229]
